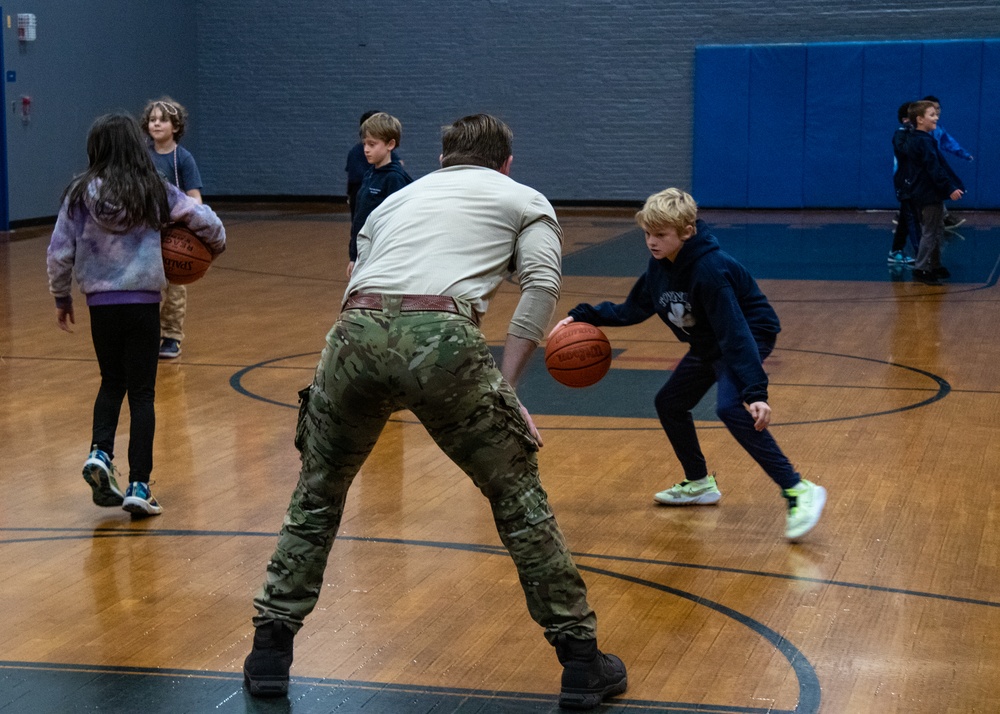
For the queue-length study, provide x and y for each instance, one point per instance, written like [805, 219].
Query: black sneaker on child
[265, 670]
[589, 675]
[941, 272]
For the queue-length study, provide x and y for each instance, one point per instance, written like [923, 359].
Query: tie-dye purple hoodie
[116, 264]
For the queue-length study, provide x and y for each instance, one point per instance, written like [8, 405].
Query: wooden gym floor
[885, 391]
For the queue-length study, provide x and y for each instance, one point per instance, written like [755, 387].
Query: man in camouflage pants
[408, 337]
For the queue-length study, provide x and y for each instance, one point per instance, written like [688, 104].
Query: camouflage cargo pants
[172, 311]
[437, 365]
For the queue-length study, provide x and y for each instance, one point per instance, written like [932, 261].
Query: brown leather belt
[409, 303]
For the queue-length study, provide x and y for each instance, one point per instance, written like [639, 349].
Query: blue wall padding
[987, 161]
[891, 77]
[722, 87]
[832, 154]
[952, 70]
[777, 125]
[820, 118]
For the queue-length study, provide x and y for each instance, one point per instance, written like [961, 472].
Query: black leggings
[127, 343]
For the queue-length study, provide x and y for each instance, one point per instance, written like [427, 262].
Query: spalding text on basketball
[177, 264]
[578, 353]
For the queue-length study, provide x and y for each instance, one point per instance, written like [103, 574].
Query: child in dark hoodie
[711, 302]
[931, 180]
[381, 134]
[107, 235]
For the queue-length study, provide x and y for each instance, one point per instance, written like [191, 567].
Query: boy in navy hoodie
[380, 134]
[711, 302]
[931, 181]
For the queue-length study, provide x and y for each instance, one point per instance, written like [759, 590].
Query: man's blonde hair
[383, 127]
[670, 207]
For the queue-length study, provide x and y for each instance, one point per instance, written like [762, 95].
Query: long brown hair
[130, 192]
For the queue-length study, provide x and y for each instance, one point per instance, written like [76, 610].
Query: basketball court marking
[628, 393]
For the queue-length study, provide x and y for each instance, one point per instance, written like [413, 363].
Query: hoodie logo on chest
[677, 308]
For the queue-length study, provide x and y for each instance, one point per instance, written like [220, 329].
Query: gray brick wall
[599, 93]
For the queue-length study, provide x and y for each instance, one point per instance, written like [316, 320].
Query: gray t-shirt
[177, 167]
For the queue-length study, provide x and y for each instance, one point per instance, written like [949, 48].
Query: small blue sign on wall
[11, 75]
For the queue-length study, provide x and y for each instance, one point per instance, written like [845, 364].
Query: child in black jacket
[931, 181]
[711, 302]
[381, 134]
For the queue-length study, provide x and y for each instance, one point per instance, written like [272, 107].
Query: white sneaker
[805, 506]
[702, 492]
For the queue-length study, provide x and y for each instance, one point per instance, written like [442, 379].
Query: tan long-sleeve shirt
[461, 231]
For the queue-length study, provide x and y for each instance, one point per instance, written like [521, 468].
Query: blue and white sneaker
[99, 472]
[900, 258]
[139, 500]
[170, 348]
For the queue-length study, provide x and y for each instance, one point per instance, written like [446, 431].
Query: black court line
[809, 696]
[330, 694]
[66, 534]
[943, 389]
[290, 276]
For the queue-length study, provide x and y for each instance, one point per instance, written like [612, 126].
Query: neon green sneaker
[805, 505]
[702, 492]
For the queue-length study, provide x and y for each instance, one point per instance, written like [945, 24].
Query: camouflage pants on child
[437, 365]
[172, 311]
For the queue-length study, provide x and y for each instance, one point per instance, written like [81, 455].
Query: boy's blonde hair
[172, 111]
[670, 207]
[383, 127]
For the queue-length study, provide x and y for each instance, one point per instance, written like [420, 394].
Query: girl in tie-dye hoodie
[107, 236]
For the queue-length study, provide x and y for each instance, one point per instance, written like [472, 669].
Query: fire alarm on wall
[26, 27]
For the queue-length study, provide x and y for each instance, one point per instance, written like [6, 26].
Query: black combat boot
[589, 675]
[265, 670]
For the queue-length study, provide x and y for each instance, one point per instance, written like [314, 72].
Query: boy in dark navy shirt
[711, 302]
[381, 134]
[357, 165]
[931, 181]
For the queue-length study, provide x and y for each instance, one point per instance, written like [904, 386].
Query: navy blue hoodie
[930, 177]
[709, 301]
[377, 185]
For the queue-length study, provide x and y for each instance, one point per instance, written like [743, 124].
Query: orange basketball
[185, 257]
[578, 355]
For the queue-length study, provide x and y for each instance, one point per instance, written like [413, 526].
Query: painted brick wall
[599, 93]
